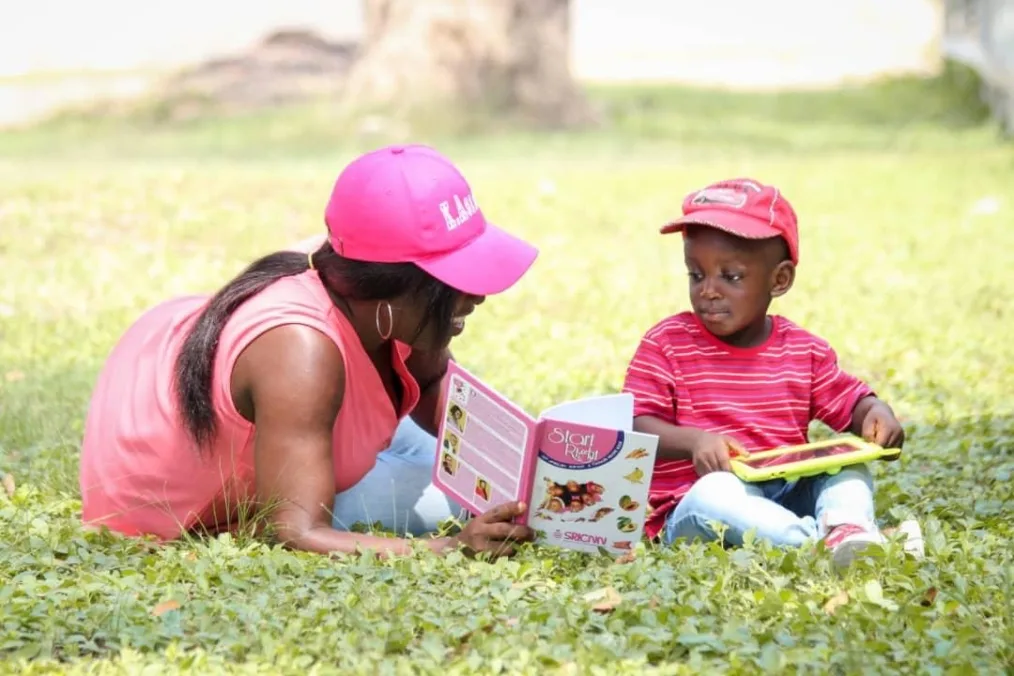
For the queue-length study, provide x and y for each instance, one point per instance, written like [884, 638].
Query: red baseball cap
[410, 204]
[744, 208]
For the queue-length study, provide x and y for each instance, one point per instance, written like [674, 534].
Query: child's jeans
[784, 513]
[398, 492]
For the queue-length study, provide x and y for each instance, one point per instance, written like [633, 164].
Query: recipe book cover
[580, 468]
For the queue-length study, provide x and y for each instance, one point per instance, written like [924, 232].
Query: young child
[729, 379]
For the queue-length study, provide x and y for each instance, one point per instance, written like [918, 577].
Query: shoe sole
[913, 544]
[845, 553]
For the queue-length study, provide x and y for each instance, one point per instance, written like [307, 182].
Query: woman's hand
[492, 531]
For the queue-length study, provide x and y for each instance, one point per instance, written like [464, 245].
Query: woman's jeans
[398, 492]
[781, 512]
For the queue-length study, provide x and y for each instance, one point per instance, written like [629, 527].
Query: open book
[579, 467]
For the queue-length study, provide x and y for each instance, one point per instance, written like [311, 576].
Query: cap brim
[491, 263]
[732, 223]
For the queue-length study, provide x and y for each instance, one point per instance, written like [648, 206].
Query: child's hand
[882, 428]
[711, 453]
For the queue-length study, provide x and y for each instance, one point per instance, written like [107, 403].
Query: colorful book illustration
[580, 468]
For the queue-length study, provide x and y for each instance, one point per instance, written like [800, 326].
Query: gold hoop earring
[390, 321]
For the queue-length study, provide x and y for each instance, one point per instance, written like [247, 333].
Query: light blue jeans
[781, 512]
[398, 492]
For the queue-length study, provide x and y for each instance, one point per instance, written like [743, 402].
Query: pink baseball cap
[741, 207]
[410, 204]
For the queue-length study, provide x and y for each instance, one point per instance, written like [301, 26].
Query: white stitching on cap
[771, 209]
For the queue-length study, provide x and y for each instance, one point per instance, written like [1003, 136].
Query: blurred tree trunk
[506, 58]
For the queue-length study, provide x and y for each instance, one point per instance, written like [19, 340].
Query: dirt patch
[286, 67]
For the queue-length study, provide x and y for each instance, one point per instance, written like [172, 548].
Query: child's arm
[844, 402]
[654, 379]
[709, 452]
[873, 420]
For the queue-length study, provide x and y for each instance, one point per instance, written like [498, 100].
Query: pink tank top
[140, 473]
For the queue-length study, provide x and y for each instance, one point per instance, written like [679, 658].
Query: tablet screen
[798, 455]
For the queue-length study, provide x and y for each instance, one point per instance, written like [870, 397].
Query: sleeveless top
[140, 471]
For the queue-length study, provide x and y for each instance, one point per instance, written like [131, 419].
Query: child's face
[732, 282]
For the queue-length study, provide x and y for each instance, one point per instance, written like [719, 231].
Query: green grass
[663, 123]
[906, 199]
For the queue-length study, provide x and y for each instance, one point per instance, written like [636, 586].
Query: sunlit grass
[906, 233]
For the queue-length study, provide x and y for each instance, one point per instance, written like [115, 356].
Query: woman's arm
[293, 380]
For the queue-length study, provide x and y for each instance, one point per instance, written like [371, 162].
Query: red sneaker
[847, 540]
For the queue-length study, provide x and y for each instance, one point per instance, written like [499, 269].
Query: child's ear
[782, 278]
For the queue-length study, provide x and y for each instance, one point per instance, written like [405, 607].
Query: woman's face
[466, 305]
[412, 314]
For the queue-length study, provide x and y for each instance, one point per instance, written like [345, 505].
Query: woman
[284, 389]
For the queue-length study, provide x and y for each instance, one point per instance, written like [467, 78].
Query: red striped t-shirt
[763, 396]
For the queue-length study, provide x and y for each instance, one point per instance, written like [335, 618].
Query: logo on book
[570, 446]
[574, 536]
[464, 209]
[576, 446]
[557, 534]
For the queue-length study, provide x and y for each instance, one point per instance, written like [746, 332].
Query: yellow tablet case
[818, 457]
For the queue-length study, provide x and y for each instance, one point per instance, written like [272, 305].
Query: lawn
[906, 198]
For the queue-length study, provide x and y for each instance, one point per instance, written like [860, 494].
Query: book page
[591, 485]
[483, 444]
[611, 410]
